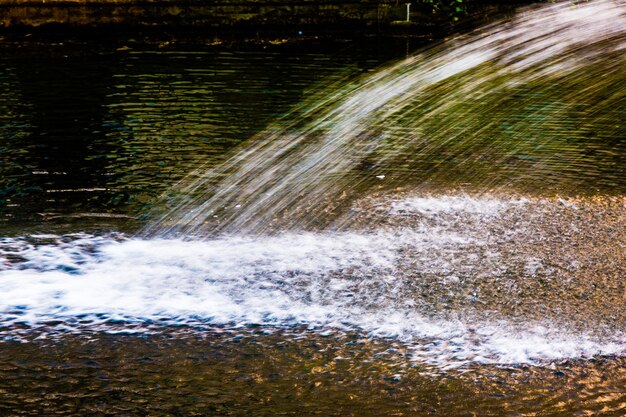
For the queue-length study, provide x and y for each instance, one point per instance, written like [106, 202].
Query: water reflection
[89, 131]
[248, 372]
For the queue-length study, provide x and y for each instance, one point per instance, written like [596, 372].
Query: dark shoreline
[251, 19]
[274, 36]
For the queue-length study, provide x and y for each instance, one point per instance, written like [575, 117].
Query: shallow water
[224, 373]
[483, 277]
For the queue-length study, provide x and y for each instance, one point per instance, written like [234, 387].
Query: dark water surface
[92, 134]
[89, 130]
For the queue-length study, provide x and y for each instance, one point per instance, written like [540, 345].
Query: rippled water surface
[92, 129]
[429, 231]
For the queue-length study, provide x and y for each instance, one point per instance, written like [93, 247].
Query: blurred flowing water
[443, 235]
[524, 89]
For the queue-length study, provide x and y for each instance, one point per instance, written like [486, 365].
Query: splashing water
[297, 174]
[449, 276]
[486, 277]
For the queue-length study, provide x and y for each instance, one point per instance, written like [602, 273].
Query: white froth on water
[324, 281]
[453, 204]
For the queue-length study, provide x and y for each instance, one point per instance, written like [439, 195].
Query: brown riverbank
[279, 16]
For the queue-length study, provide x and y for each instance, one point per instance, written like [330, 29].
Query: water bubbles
[453, 285]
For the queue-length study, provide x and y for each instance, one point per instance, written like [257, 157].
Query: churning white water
[395, 281]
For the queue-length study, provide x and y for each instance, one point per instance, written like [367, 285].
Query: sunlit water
[442, 236]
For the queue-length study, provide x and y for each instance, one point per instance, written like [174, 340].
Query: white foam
[332, 281]
[453, 204]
